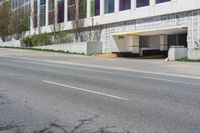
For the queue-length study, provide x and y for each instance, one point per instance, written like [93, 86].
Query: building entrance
[149, 43]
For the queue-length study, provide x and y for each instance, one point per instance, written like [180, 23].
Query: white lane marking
[116, 73]
[85, 90]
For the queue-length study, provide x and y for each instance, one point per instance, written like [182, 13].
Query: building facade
[136, 27]
[2, 1]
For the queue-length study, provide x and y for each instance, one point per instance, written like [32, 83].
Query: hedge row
[46, 39]
[37, 40]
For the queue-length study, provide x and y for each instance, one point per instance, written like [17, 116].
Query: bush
[37, 40]
[63, 37]
[27, 41]
[185, 59]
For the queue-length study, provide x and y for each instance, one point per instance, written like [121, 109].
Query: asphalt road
[42, 97]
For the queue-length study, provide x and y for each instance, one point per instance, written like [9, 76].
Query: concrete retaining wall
[194, 54]
[177, 53]
[87, 48]
[15, 43]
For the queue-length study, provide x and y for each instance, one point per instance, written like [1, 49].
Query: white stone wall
[174, 6]
[194, 54]
[185, 13]
[87, 48]
[177, 53]
[190, 20]
[15, 43]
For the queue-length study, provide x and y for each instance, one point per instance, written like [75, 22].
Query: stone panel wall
[190, 19]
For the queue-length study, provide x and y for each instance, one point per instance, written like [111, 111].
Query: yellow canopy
[127, 34]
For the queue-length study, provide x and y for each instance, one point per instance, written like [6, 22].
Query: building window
[109, 6]
[95, 7]
[142, 3]
[42, 2]
[14, 4]
[161, 1]
[124, 5]
[35, 14]
[51, 11]
[21, 8]
[71, 9]
[18, 3]
[42, 12]
[61, 11]
[82, 8]
[27, 13]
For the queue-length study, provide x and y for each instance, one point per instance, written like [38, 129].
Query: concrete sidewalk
[157, 66]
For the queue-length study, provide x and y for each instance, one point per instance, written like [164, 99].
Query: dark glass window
[95, 7]
[124, 5]
[51, 11]
[35, 14]
[82, 4]
[60, 11]
[83, 8]
[42, 2]
[42, 12]
[109, 6]
[71, 9]
[18, 3]
[141, 3]
[42, 15]
[161, 1]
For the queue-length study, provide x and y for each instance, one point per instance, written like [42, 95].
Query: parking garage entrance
[155, 43]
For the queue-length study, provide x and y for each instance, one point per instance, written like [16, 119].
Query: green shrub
[185, 59]
[37, 40]
[63, 37]
[27, 41]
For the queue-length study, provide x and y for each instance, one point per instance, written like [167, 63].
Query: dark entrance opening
[177, 40]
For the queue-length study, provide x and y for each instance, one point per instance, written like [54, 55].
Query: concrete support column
[88, 8]
[133, 4]
[163, 43]
[101, 7]
[116, 5]
[66, 11]
[47, 16]
[152, 2]
[136, 43]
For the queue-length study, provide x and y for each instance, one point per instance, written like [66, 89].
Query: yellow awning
[134, 33]
[127, 34]
[119, 34]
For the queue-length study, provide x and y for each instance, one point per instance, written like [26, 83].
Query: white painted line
[85, 90]
[116, 73]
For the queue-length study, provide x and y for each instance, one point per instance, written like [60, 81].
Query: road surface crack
[8, 127]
